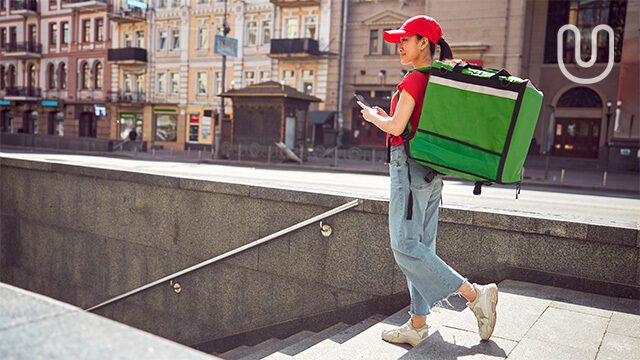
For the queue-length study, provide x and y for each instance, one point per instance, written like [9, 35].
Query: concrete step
[267, 348]
[369, 344]
[308, 342]
[233, 353]
[321, 349]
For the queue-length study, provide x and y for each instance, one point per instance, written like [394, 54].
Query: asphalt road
[552, 203]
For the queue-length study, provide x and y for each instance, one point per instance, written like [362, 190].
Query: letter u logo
[594, 52]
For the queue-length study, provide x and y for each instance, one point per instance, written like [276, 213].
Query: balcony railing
[128, 15]
[296, 3]
[23, 91]
[127, 55]
[22, 47]
[24, 6]
[128, 96]
[294, 47]
[84, 4]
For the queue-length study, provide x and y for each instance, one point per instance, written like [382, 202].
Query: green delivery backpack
[476, 124]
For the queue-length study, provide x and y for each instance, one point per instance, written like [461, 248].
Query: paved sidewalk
[627, 182]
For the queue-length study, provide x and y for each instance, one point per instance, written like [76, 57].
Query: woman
[429, 278]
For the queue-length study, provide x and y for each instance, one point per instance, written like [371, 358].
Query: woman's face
[412, 50]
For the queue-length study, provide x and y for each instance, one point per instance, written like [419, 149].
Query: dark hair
[445, 50]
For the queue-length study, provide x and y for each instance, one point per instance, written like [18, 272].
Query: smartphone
[361, 99]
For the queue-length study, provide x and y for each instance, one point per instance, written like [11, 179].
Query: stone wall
[84, 235]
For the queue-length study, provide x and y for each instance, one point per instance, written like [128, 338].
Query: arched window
[580, 97]
[2, 77]
[97, 75]
[32, 76]
[86, 75]
[11, 76]
[62, 76]
[51, 76]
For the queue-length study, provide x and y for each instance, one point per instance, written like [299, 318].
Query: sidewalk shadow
[436, 347]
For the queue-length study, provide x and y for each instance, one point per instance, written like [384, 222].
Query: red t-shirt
[415, 84]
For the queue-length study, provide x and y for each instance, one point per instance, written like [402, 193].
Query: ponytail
[445, 50]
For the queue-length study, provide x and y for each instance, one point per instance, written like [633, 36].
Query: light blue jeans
[413, 242]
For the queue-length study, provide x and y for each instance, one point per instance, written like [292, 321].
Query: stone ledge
[35, 326]
[503, 221]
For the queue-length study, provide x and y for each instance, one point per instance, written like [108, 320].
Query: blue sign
[5, 102]
[226, 46]
[49, 103]
[137, 4]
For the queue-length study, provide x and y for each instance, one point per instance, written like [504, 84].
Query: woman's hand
[369, 113]
[381, 111]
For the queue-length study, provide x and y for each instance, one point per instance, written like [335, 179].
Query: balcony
[127, 55]
[23, 93]
[294, 48]
[294, 3]
[84, 4]
[23, 50]
[25, 8]
[127, 96]
[132, 15]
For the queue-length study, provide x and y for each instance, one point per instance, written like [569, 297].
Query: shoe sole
[405, 342]
[494, 304]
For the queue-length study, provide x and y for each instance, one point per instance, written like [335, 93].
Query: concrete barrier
[83, 235]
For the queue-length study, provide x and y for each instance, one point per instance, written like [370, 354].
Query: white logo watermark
[594, 52]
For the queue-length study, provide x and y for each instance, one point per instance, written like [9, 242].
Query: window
[249, 77]
[99, 30]
[162, 39]
[97, 75]
[166, 125]
[3, 37]
[175, 39]
[62, 76]
[58, 120]
[374, 38]
[266, 32]
[162, 83]
[162, 4]
[585, 15]
[86, 31]
[53, 33]
[126, 40]
[175, 83]
[11, 76]
[291, 27]
[86, 76]
[252, 29]
[218, 83]
[310, 26]
[203, 38]
[389, 48]
[265, 76]
[2, 77]
[51, 76]
[308, 80]
[64, 38]
[289, 77]
[128, 82]
[175, 3]
[32, 76]
[201, 2]
[33, 34]
[201, 83]
[140, 39]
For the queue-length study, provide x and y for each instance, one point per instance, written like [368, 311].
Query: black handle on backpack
[502, 72]
[459, 67]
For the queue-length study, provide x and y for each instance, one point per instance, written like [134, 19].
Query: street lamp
[218, 129]
[606, 137]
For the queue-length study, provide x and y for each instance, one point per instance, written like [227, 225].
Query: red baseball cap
[417, 25]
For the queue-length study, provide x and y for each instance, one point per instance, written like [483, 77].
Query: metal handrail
[299, 225]
[120, 145]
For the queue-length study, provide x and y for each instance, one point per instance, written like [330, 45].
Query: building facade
[54, 66]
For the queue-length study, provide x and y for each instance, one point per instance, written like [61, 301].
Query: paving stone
[569, 328]
[616, 346]
[448, 343]
[516, 314]
[529, 349]
[625, 324]
[581, 309]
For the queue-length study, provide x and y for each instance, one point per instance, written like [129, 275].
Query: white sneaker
[484, 307]
[406, 334]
